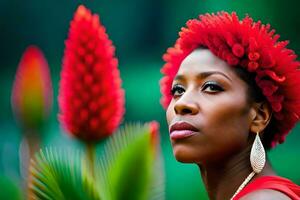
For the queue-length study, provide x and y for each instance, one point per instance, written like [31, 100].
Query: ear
[261, 114]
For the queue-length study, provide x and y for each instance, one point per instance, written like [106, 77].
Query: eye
[177, 90]
[212, 87]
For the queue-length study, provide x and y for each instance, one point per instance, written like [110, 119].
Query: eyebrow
[204, 75]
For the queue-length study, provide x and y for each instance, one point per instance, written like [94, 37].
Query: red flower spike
[32, 90]
[154, 131]
[248, 44]
[154, 128]
[91, 99]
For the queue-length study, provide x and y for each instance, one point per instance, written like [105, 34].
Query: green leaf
[130, 167]
[9, 189]
[59, 175]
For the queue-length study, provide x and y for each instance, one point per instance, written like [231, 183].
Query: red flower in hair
[91, 99]
[252, 66]
[253, 56]
[238, 50]
[247, 44]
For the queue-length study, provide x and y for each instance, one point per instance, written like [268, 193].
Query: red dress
[274, 183]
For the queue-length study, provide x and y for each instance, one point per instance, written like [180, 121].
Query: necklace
[246, 181]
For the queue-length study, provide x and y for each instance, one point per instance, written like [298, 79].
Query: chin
[184, 155]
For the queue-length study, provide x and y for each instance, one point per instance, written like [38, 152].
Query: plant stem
[91, 154]
[29, 145]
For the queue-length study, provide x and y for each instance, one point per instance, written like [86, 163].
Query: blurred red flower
[154, 135]
[91, 99]
[32, 90]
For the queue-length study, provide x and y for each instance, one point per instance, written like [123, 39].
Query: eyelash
[215, 87]
[175, 88]
[213, 84]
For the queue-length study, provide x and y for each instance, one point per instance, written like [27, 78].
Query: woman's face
[209, 115]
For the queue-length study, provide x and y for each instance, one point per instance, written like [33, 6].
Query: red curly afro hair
[250, 45]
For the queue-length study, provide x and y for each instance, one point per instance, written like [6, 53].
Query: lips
[182, 130]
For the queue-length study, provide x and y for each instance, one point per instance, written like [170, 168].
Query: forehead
[203, 60]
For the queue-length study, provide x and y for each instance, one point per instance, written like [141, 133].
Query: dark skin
[210, 96]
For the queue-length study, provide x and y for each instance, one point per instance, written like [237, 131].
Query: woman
[231, 91]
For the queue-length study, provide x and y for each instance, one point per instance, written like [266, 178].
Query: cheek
[226, 125]
[226, 116]
[224, 105]
[170, 114]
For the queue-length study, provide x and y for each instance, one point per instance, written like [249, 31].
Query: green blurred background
[141, 32]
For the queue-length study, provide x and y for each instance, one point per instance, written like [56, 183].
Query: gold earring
[257, 155]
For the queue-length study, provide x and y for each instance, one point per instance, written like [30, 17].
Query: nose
[186, 104]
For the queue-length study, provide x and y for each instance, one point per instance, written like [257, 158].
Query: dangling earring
[257, 160]
[257, 155]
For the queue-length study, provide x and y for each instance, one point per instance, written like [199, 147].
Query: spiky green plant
[57, 174]
[129, 167]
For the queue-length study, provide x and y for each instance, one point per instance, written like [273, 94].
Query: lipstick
[181, 130]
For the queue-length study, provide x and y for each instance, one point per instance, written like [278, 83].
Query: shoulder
[265, 194]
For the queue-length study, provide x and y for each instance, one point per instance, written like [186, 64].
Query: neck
[224, 178]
